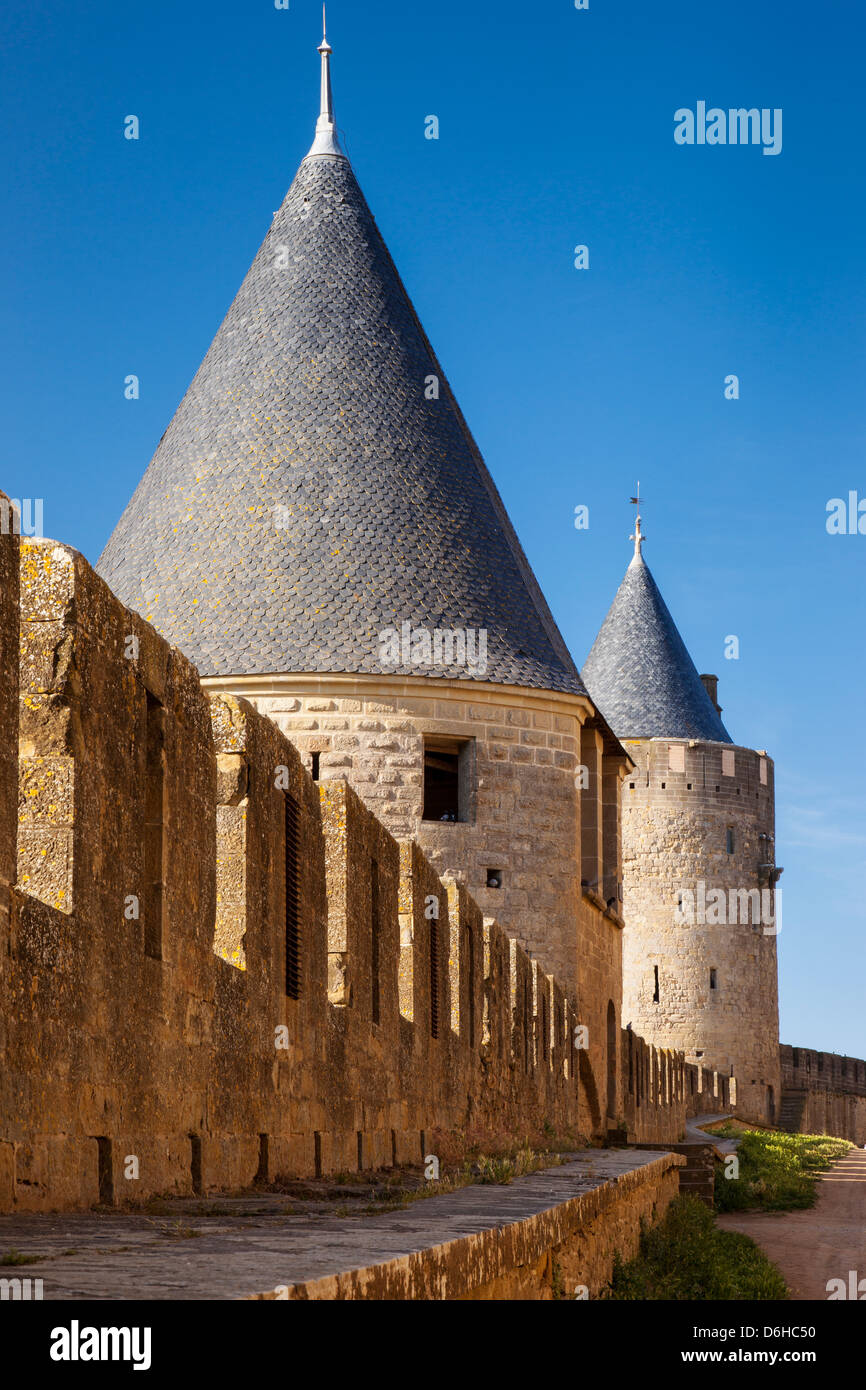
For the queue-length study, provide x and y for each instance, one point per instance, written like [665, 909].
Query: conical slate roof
[639, 672]
[311, 491]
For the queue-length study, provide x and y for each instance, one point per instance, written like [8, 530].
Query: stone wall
[566, 1250]
[523, 809]
[823, 1093]
[661, 1090]
[218, 971]
[523, 815]
[706, 987]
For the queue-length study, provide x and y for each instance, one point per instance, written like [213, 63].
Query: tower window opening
[375, 1011]
[655, 984]
[154, 847]
[729, 840]
[713, 978]
[494, 878]
[314, 766]
[293, 896]
[447, 779]
[434, 979]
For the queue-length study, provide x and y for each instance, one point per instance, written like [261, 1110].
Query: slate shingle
[312, 399]
[639, 672]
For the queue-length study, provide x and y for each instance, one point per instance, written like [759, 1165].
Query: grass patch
[504, 1169]
[778, 1172]
[14, 1257]
[686, 1257]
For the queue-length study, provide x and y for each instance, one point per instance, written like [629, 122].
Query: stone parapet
[219, 971]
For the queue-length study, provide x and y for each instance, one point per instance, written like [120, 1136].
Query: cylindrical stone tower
[318, 531]
[700, 903]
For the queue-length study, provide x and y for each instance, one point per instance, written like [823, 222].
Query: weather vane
[638, 537]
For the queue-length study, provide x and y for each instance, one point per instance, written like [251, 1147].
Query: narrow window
[494, 878]
[153, 905]
[263, 1171]
[106, 1172]
[374, 939]
[713, 978]
[314, 766]
[545, 1029]
[656, 985]
[434, 979]
[729, 840]
[528, 1024]
[612, 1040]
[448, 779]
[293, 898]
[195, 1163]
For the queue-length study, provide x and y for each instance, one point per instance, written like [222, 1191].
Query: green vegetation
[500, 1168]
[687, 1257]
[504, 1169]
[777, 1171]
[14, 1257]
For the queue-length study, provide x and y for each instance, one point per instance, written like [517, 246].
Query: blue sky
[556, 129]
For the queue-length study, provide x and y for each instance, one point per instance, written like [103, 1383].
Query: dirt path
[825, 1242]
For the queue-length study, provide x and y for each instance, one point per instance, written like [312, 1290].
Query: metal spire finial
[638, 536]
[326, 141]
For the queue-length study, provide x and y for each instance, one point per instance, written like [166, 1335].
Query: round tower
[318, 532]
[701, 907]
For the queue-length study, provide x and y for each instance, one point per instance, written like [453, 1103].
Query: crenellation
[258, 937]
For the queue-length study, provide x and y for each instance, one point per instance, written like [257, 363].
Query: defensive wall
[214, 970]
[823, 1093]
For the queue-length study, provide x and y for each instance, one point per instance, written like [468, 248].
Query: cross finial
[326, 141]
[638, 537]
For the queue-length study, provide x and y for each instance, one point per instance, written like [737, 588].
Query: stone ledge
[499, 1242]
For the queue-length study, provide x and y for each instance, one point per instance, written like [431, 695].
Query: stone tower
[318, 532]
[699, 875]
